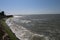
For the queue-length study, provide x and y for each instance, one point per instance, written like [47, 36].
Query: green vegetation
[7, 29]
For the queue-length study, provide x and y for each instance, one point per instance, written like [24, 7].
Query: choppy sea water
[36, 27]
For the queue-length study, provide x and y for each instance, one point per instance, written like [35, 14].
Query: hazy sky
[30, 6]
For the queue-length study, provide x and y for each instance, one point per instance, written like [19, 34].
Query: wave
[22, 33]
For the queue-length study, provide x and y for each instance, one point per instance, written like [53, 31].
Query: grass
[8, 30]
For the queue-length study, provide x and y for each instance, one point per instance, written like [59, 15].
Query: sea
[35, 27]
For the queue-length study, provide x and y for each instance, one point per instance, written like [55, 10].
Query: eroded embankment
[7, 30]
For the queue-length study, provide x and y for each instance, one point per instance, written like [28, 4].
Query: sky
[24, 7]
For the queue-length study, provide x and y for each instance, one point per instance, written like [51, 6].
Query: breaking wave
[22, 33]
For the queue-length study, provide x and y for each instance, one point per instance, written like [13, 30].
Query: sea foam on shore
[22, 33]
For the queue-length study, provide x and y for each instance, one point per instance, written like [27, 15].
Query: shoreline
[19, 31]
[7, 30]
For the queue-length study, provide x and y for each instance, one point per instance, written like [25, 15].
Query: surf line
[21, 32]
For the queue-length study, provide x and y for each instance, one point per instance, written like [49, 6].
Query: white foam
[21, 32]
[24, 21]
